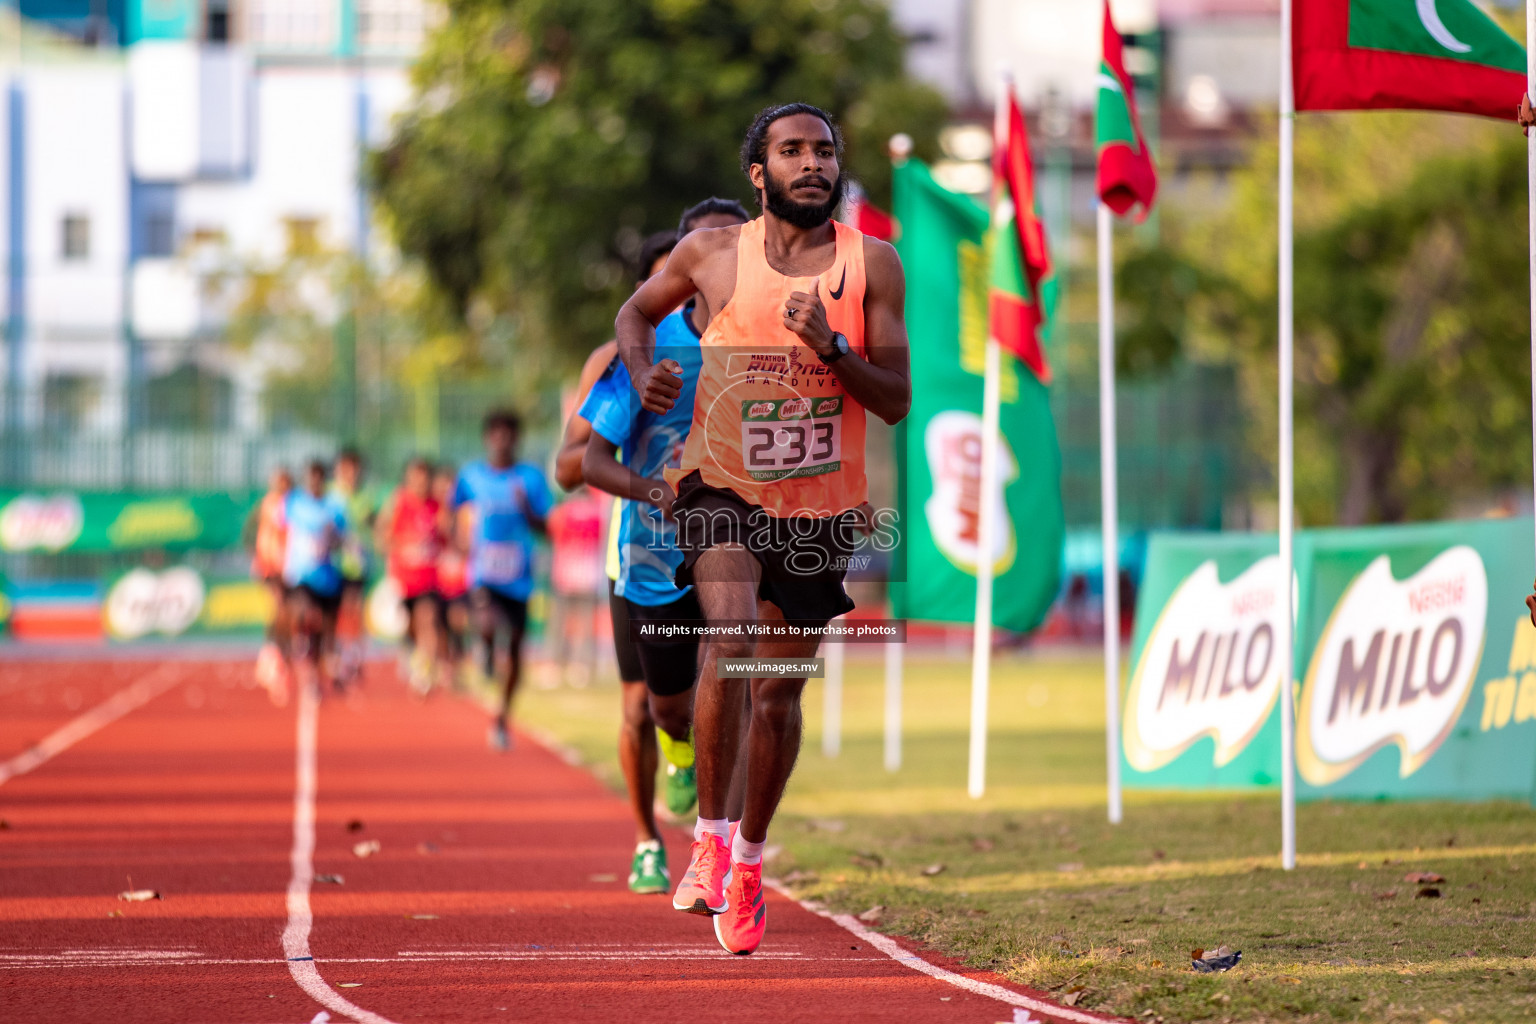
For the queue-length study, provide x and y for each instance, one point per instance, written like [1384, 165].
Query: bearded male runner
[805, 333]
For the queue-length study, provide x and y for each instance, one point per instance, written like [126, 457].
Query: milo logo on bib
[785, 437]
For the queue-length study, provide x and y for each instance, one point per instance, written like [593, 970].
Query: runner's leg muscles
[737, 795]
[726, 576]
[673, 714]
[773, 739]
[514, 670]
[637, 757]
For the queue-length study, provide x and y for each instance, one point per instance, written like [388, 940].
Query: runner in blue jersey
[507, 503]
[648, 555]
[638, 748]
[317, 526]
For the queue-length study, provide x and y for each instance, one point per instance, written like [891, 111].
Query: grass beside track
[1033, 882]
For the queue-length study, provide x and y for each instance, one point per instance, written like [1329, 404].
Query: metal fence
[1182, 455]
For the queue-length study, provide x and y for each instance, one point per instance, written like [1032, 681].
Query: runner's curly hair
[498, 418]
[754, 148]
[652, 249]
[714, 204]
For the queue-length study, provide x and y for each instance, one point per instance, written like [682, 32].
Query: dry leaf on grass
[933, 869]
[873, 914]
[1423, 878]
[1390, 894]
[1073, 994]
[1427, 894]
[982, 845]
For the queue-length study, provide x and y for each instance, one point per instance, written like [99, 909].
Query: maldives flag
[1021, 279]
[1126, 175]
[1417, 54]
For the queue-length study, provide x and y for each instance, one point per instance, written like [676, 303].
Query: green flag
[939, 446]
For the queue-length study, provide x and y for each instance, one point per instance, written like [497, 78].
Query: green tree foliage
[1412, 310]
[549, 136]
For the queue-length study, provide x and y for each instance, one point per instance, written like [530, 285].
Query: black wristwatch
[839, 348]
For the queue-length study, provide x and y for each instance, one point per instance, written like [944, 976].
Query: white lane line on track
[892, 949]
[196, 960]
[143, 690]
[301, 963]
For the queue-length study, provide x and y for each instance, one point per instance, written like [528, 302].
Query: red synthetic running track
[498, 893]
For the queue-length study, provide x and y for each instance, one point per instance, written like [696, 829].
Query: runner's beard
[776, 201]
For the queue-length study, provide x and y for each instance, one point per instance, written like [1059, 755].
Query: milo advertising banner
[150, 604]
[179, 601]
[1416, 663]
[1205, 676]
[1416, 638]
[52, 521]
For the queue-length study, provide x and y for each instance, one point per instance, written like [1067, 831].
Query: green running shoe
[648, 871]
[682, 789]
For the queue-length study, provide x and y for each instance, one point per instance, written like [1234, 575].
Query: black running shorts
[504, 610]
[630, 670]
[804, 560]
[670, 665]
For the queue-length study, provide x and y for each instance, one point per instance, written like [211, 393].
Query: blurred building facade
[149, 146]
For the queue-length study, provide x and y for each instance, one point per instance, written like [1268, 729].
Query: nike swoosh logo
[837, 293]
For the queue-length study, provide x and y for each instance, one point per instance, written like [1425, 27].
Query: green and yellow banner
[1415, 658]
[64, 520]
[942, 248]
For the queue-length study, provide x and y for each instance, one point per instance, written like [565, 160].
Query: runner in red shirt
[411, 532]
[452, 572]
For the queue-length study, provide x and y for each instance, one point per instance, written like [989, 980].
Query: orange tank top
[271, 535]
[770, 420]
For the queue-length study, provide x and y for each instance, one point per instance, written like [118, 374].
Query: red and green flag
[1021, 278]
[1126, 176]
[1413, 54]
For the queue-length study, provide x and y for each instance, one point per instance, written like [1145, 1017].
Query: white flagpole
[1530, 158]
[981, 651]
[832, 702]
[893, 667]
[1287, 639]
[981, 643]
[1110, 510]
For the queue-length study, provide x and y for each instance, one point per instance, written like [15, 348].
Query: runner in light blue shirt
[505, 504]
[317, 526]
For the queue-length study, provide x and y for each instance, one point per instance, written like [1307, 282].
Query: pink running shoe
[740, 928]
[702, 890]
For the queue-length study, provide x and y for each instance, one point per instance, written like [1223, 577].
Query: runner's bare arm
[880, 380]
[385, 524]
[607, 473]
[658, 384]
[577, 430]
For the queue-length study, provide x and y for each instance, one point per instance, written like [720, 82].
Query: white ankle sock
[712, 826]
[743, 852]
